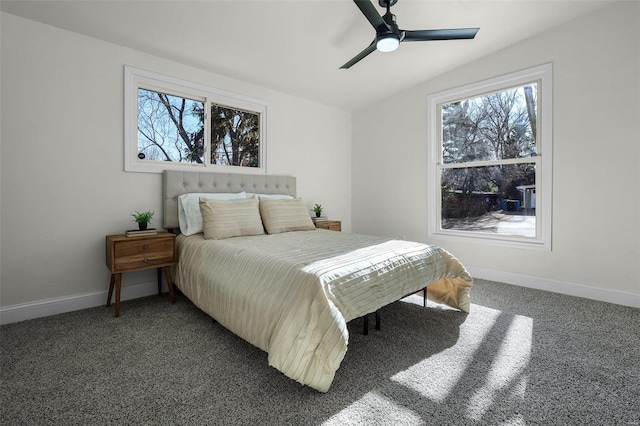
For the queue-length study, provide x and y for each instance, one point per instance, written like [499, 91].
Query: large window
[170, 123]
[490, 160]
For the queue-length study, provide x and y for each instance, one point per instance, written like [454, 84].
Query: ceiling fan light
[387, 42]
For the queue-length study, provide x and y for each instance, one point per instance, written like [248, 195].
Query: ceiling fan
[389, 36]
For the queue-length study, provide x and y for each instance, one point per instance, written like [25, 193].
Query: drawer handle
[145, 260]
[146, 246]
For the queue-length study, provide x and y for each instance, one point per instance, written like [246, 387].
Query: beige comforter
[291, 294]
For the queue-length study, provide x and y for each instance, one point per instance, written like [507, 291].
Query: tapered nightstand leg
[111, 282]
[118, 282]
[172, 294]
[159, 270]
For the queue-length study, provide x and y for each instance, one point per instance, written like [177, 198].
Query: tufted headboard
[176, 183]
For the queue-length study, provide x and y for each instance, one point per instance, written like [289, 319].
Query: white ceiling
[297, 46]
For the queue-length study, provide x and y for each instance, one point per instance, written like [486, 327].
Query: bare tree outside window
[235, 137]
[170, 128]
[488, 154]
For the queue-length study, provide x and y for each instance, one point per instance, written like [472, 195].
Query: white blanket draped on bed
[291, 294]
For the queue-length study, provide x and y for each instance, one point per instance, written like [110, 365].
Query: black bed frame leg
[365, 329]
[425, 298]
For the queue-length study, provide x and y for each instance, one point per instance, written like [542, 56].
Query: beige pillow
[230, 218]
[284, 215]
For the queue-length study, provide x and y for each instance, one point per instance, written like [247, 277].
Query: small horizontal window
[175, 124]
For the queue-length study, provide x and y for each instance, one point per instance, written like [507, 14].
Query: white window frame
[135, 78]
[543, 160]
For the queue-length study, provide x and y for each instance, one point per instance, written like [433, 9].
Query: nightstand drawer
[333, 225]
[143, 247]
[142, 261]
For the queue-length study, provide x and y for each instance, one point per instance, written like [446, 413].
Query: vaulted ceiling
[298, 46]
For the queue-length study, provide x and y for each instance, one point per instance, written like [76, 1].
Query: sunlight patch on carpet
[374, 408]
[506, 377]
[446, 369]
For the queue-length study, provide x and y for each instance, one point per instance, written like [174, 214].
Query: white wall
[63, 184]
[596, 196]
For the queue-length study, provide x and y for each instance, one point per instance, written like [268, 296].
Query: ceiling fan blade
[360, 56]
[451, 34]
[370, 12]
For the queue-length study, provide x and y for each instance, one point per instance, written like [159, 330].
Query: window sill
[493, 239]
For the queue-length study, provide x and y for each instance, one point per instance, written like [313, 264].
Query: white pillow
[189, 217]
[230, 218]
[285, 215]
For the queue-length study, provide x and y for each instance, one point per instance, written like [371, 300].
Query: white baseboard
[59, 305]
[556, 286]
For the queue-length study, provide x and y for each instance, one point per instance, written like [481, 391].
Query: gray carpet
[521, 357]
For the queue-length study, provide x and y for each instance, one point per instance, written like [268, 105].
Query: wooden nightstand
[126, 254]
[333, 225]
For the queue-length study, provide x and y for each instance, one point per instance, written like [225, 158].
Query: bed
[291, 291]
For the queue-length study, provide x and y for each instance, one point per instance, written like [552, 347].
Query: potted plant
[142, 219]
[317, 209]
